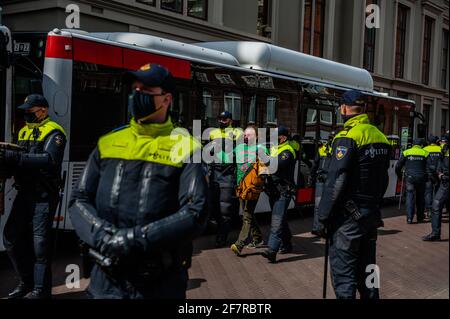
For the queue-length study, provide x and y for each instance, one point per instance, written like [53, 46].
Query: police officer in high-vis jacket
[349, 210]
[319, 176]
[440, 199]
[142, 198]
[222, 177]
[432, 183]
[37, 174]
[414, 161]
[280, 188]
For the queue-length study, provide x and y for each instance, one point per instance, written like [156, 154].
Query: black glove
[9, 157]
[118, 242]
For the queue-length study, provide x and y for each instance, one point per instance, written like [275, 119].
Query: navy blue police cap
[225, 115]
[432, 139]
[152, 75]
[418, 141]
[353, 97]
[33, 100]
[283, 131]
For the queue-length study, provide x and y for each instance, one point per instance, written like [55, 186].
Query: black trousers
[169, 285]
[27, 239]
[352, 250]
[222, 201]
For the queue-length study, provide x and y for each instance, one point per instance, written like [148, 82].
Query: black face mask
[141, 105]
[30, 118]
[223, 125]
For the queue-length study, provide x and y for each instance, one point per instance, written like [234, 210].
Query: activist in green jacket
[247, 154]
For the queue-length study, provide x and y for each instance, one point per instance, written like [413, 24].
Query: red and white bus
[258, 82]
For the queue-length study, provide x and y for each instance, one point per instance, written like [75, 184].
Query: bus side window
[232, 103]
[271, 111]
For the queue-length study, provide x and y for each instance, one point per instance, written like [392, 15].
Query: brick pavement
[410, 268]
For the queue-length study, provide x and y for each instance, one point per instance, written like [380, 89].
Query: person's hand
[118, 242]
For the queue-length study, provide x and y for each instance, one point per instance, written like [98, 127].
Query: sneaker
[409, 222]
[20, 291]
[431, 237]
[270, 255]
[254, 245]
[38, 293]
[235, 249]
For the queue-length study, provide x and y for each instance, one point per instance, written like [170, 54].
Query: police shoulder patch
[341, 152]
[59, 139]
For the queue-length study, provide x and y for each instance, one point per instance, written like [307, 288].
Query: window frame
[444, 62]
[146, 3]
[205, 11]
[172, 10]
[426, 53]
[370, 38]
[402, 29]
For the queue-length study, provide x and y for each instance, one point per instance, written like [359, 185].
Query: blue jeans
[438, 204]
[430, 191]
[280, 234]
[415, 197]
[317, 198]
[28, 241]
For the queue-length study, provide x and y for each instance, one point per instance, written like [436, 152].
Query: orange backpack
[252, 184]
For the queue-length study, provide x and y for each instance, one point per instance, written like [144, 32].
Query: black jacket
[39, 169]
[166, 203]
[416, 162]
[358, 169]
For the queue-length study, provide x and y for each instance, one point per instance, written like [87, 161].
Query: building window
[147, 2]
[197, 9]
[427, 50]
[402, 17]
[271, 117]
[172, 5]
[264, 26]
[444, 121]
[232, 102]
[444, 71]
[369, 44]
[313, 27]
[427, 115]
